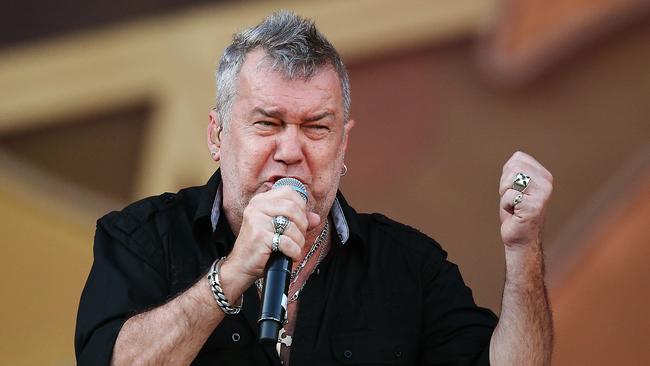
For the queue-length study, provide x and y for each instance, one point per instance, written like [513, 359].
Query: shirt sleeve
[121, 283]
[455, 330]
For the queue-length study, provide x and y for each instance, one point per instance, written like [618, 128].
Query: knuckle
[300, 241]
[247, 209]
[548, 187]
[291, 250]
[506, 166]
[301, 223]
[536, 207]
[549, 176]
[250, 209]
[294, 206]
[254, 200]
[297, 250]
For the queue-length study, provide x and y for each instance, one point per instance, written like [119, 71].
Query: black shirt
[384, 294]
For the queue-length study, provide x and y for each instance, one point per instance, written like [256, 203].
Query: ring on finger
[517, 200]
[275, 246]
[280, 224]
[521, 182]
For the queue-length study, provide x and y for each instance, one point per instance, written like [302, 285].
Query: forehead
[261, 86]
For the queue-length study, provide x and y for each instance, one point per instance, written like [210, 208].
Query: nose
[289, 146]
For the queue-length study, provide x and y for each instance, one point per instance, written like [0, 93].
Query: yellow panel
[44, 260]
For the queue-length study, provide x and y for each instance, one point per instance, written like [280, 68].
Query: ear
[346, 134]
[214, 138]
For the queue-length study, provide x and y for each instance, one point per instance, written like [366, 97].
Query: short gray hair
[293, 46]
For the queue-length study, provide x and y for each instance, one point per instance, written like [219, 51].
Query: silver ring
[521, 182]
[518, 199]
[280, 224]
[275, 247]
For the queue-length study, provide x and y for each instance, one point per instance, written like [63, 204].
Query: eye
[318, 127]
[317, 130]
[266, 125]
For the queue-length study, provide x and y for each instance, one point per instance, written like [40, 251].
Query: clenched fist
[522, 218]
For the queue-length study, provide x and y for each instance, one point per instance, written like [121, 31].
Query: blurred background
[105, 102]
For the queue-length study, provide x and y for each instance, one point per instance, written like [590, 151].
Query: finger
[284, 207]
[531, 161]
[296, 235]
[520, 160]
[520, 156]
[507, 201]
[537, 187]
[512, 204]
[287, 246]
[531, 206]
[280, 197]
[288, 193]
[314, 220]
[509, 175]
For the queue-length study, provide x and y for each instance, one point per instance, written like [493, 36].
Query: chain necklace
[312, 250]
[294, 274]
[297, 293]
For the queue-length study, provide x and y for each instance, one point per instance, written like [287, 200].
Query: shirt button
[398, 354]
[236, 337]
[347, 353]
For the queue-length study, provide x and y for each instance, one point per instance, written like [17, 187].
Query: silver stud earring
[344, 170]
[213, 152]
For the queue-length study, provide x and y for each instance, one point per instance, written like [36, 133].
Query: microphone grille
[293, 183]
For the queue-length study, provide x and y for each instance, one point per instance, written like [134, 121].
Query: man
[364, 289]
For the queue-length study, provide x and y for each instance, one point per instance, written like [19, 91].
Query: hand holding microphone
[253, 248]
[278, 273]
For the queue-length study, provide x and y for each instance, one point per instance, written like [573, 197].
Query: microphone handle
[274, 297]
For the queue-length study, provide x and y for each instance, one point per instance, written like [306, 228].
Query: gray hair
[293, 46]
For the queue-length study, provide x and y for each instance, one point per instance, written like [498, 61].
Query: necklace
[317, 243]
[297, 293]
[285, 338]
[294, 274]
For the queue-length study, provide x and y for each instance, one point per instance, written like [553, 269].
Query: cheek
[323, 163]
[246, 152]
[327, 171]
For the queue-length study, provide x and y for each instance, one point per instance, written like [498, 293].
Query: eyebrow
[274, 113]
[319, 116]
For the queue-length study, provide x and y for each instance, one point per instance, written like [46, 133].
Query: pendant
[284, 338]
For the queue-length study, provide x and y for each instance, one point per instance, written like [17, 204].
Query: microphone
[276, 281]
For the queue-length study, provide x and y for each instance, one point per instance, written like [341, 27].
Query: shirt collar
[216, 208]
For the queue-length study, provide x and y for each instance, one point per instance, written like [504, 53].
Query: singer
[177, 279]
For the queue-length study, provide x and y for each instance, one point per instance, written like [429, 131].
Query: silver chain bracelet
[217, 290]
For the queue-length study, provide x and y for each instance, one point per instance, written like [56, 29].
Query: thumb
[314, 220]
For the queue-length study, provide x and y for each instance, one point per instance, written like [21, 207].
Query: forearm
[524, 334]
[173, 334]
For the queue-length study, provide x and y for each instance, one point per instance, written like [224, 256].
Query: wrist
[529, 248]
[232, 281]
[524, 263]
[224, 302]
